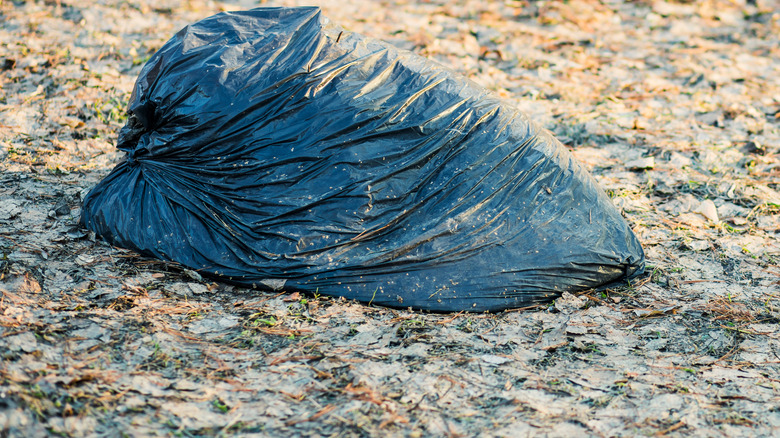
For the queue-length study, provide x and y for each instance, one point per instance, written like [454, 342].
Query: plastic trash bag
[271, 149]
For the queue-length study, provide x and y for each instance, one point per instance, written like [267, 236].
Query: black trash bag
[273, 150]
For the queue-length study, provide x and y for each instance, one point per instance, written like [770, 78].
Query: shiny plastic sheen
[271, 149]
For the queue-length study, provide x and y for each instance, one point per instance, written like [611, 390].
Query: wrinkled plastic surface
[274, 150]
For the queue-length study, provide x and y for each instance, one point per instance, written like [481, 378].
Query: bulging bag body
[271, 149]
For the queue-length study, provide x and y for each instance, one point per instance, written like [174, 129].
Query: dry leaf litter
[673, 106]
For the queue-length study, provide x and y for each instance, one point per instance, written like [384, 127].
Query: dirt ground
[673, 106]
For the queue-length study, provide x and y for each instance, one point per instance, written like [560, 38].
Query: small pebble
[707, 209]
[641, 163]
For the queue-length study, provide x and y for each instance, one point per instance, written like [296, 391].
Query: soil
[673, 106]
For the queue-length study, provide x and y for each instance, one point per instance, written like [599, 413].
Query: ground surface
[675, 108]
